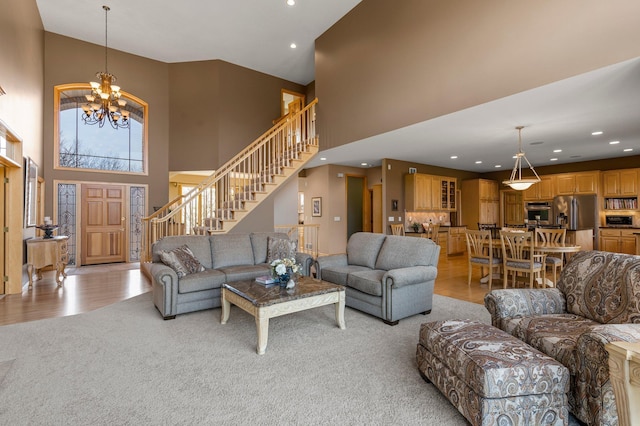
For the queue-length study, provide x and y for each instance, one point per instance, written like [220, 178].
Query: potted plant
[415, 226]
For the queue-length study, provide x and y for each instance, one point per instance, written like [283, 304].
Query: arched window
[79, 145]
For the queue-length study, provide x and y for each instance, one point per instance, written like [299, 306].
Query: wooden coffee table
[269, 302]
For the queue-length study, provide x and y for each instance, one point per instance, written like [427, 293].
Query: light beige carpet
[123, 365]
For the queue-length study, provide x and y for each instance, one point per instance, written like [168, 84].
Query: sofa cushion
[198, 245]
[339, 274]
[181, 260]
[245, 272]
[403, 252]
[206, 280]
[280, 248]
[602, 286]
[363, 248]
[555, 335]
[369, 281]
[231, 250]
[259, 244]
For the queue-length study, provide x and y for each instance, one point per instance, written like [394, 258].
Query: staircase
[223, 199]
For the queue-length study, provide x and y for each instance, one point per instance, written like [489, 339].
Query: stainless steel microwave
[539, 211]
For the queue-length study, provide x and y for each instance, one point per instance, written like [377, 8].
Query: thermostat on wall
[412, 170]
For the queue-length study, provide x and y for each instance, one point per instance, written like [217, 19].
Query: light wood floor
[92, 287]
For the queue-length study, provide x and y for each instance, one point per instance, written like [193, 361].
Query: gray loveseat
[388, 276]
[225, 257]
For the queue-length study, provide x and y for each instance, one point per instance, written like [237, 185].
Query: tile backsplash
[442, 218]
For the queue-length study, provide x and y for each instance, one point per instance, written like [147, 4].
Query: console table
[42, 252]
[624, 373]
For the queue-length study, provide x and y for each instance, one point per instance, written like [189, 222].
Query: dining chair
[519, 256]
[397, 229]
[481, 253]
[493, 227]
[547, 235]
[432, 231]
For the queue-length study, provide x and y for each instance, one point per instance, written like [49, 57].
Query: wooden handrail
[217, 201]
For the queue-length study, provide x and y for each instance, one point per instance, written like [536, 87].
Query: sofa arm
[592, 361]
[305, 260]
[165, 289]
[513, 303]
[329, 261]
[408, 276]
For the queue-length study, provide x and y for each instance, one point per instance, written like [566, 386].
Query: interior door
[355, 204]
[103, 224]
[3, 235]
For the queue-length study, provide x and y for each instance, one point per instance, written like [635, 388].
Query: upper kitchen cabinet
[543, 190]
[418, 192]
[577, 183]
[488, 190]
[620, 183]
[448, 186]
[428, 193]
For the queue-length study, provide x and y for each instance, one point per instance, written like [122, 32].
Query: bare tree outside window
[93, 148]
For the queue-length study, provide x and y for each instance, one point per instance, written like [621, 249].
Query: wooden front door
[103, 224]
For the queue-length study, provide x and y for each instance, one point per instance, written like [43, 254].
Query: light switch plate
[391, 218]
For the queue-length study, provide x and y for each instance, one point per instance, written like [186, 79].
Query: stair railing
[219, 200]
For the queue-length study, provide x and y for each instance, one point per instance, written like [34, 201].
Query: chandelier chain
[106, 11]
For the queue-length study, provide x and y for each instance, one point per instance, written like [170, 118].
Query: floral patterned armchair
[596, 301]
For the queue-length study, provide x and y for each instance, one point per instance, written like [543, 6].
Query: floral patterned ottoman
[492, 377]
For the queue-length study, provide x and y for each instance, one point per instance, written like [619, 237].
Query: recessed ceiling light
[553, 159]
[453, 157]
[323, 158]
[363, 164]
[293, 45]
[478, 162]
[614, 142]
[557, 150]
[627, 150]
[291, 2]
[598, 133]
[497, 166]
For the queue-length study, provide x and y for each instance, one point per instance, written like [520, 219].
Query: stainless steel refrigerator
[577, 212]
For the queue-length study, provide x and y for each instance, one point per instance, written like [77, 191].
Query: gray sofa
[388, 276]
[225, 257]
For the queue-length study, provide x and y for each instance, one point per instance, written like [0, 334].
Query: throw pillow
[280, 248]
[182, 261]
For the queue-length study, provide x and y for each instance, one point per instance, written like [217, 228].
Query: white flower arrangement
[280, 266]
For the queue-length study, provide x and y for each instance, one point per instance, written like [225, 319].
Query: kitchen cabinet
[620, 183]
[457, 242]
[577, 183]
[618, 240]
[428, 192]
[447, 192]
[418, 192]
[481, 202]
[542, 191]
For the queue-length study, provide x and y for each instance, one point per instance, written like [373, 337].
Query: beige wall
[389, 64]
[69, 60]
[218, 108]
[21, 73]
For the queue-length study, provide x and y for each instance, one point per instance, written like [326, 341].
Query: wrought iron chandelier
[105, 102]
[516, 181]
